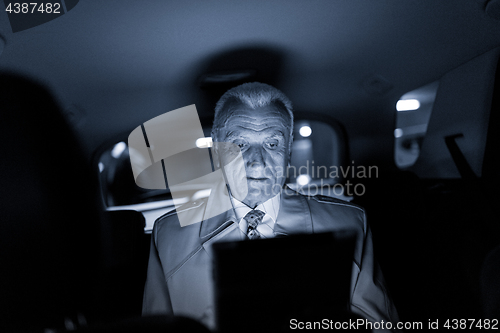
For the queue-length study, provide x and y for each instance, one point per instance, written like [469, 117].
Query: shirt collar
[214, 220]
[271, 207]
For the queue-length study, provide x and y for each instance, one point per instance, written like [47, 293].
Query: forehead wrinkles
[241, 113]
[255, 123]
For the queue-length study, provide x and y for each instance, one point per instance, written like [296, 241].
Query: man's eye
[272, 145]
[241, 145]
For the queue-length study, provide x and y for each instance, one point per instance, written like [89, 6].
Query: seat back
[125, 252]
[48, 243]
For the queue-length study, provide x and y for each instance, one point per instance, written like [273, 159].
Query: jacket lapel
[212, 226]
[218, 212]
[222, 227]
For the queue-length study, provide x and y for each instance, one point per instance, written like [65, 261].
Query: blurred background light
[407, 104]
[201, 194]
[303, 180]
[204, 142]
[398, 132]
[305, 131]
[118, 149]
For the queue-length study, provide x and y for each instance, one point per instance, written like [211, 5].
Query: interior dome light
[407, 104]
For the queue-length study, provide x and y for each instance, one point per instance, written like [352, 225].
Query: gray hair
[254, 94]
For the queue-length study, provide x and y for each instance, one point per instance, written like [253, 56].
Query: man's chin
[254, 201]
[259, 189]
[259, 194]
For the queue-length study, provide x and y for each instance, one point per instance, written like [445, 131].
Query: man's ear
[216, 159]
[215, 154]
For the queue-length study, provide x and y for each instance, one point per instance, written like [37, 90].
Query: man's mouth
[256, 178]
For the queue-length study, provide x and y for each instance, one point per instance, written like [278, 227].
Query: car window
[317, 154]
[413, 111]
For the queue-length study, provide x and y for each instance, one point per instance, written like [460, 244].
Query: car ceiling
[116, 64]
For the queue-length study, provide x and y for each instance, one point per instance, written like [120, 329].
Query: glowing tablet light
[303, 180]
[204, 142]
[398, 132]
[305, 131]
[407, 104]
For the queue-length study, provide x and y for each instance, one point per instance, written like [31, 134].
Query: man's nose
[255, 157]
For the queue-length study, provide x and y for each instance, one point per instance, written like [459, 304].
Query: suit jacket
[179, 272]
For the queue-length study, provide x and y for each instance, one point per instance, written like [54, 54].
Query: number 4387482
[34, 7]
[485, 324]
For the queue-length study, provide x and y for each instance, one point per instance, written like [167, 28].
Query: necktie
[253, 218]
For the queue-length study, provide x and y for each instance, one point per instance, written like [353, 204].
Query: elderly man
[258, 119]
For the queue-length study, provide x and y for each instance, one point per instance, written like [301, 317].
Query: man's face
[263, 135]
